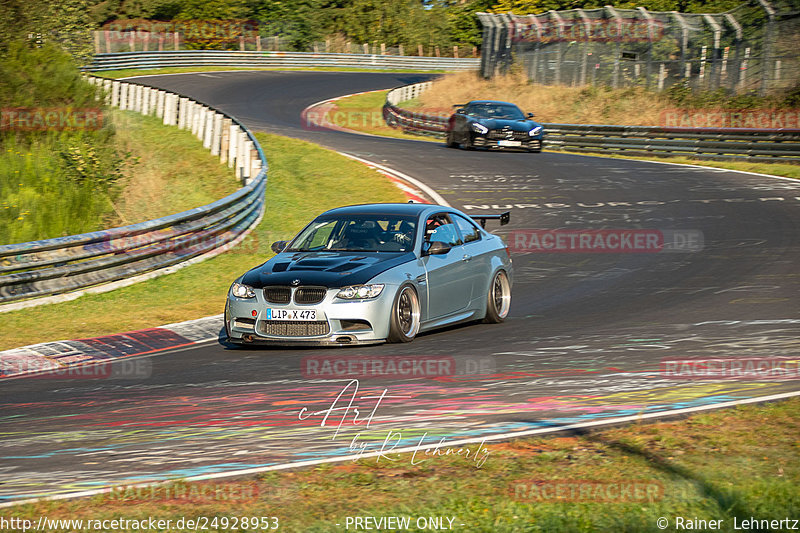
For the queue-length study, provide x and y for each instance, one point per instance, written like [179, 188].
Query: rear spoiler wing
[504, 218]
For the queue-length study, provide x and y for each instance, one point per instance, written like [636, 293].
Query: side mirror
[278, 246]
[529, 115]
[435, 248]
[460, 111]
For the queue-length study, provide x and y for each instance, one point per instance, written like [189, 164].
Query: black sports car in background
[493, 124]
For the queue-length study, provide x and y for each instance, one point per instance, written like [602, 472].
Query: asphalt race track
[588, 338]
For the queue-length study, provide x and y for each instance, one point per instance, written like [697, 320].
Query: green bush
[55, 186]
[53, 182]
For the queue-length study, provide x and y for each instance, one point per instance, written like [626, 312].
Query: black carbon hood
[327, 269]
[513, 125]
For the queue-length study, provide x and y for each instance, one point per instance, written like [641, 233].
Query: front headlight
[242, 291]
[360, 292]
[479, 128]
[535, 131]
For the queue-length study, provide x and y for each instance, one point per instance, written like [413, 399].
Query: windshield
[502, 111]
[362, 233]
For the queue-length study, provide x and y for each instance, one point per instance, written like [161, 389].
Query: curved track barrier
[752, 144]
[65, 264]
[251, 59]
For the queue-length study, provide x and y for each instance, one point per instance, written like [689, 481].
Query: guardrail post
[256, 166]
[247, 150]
[224, 139]
[233, 149]
[107, 89]
[173, 109]
[137, 98]
[115, 90]
[160, 104]
[187, 114]
[216, 134]
[199, 121]
[208, 129]
[240, 151]
[154, 102]
[194, 113]
[166, 101]
[182, 112]
[170, 109]
[146, 92]
[123, 96]
[146, 107]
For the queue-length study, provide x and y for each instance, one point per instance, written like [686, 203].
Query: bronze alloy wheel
[499, 298]
[405, 315]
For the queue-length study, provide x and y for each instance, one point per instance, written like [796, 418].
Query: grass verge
[172, 172]
[126, 73]
[366, 107]
[363, 113]
[690, 469]
[304, 180]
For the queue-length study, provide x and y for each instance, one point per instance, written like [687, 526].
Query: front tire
[405, 320]
[450, 142]
[468, 143]
[498, 299]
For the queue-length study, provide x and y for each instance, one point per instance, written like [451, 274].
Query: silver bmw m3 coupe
[372, 273]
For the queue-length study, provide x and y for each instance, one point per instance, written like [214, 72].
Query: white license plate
[301, 315]
[509, 143]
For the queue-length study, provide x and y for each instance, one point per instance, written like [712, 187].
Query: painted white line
[185, 73]
[704, 167]
[425, 188]
[409, 449]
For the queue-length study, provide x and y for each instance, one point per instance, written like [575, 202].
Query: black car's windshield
[501, 111]
[362, 233]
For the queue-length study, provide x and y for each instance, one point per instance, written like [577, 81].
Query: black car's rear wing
[504, 218]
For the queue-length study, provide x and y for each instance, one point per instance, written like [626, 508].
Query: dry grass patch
[172, 172]
[560, 104]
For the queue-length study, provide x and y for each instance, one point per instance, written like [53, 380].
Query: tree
[67, 22]
[213, 10]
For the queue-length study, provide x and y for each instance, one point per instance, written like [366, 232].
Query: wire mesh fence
[747, 49]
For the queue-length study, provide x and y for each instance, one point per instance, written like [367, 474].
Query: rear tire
[498, 299]
[405, 320]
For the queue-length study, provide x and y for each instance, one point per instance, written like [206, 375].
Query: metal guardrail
[270, 59]
[64, 264]
[772, 145]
